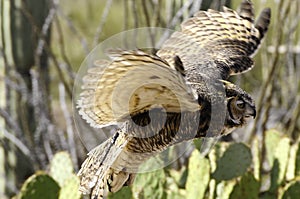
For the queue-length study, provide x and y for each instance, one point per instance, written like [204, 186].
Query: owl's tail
[98, 175]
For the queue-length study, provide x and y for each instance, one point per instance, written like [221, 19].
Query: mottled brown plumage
[164, 99]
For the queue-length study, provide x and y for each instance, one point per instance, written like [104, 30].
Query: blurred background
[43, 44]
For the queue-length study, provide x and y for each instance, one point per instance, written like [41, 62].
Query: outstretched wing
[132, 82]
[218, 44]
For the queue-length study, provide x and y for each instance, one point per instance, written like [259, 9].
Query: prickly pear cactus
[271, 142]
[281, 155]
[291, 169]
[297, 166]
[255, 148]
[198, 176]
[278, 151]
[39, 185]
[292, 191]
[149, 185]
[179, 177]
[224, 188]
[234, 162]
[124, 193]
[61, 167]
[247, 188]
[70, 189]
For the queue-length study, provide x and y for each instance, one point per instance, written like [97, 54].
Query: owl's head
[240, 105]
[240, 108]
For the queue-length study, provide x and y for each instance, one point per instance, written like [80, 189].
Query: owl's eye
[240, 104]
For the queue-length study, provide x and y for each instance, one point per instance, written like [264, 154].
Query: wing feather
[132, 82]
[218, 42]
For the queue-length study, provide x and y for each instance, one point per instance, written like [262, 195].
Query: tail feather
[97, 175]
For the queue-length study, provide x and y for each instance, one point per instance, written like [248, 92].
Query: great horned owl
[163, 99]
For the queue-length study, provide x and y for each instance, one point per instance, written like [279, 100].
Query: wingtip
[263, 21]
[267, 12]
[246, 10]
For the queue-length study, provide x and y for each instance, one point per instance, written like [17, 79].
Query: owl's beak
[250, 111]
[254, 113]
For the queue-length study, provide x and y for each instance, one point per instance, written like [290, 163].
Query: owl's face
[240, 105]
[240, 108]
